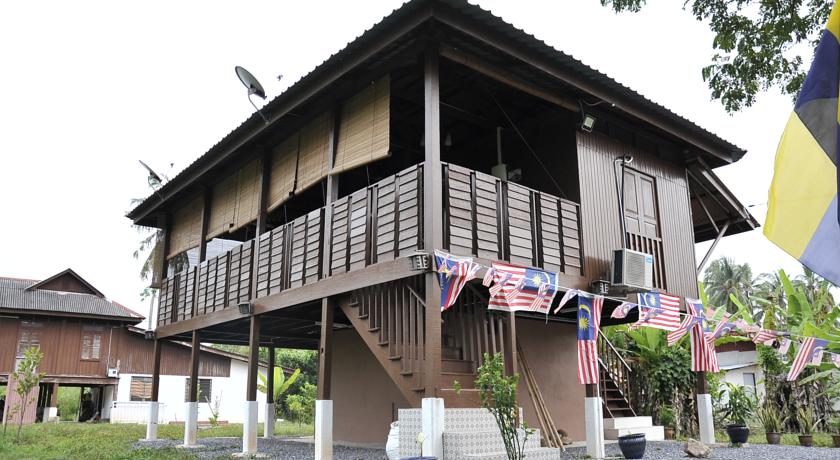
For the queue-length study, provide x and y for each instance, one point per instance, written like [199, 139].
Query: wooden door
[640, 210]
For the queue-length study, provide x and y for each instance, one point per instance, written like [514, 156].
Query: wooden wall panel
[340, 234]
[357, 229]
[520, 218]
[460, 221]
[386, 217]
[487, 216]
[136, 355]
[599, 210]
[8, 344]
[410, 209]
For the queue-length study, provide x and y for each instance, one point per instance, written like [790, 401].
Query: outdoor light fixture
[149, 335]
[419, 261]
[600, 287]
[246, 308]
[588, 123]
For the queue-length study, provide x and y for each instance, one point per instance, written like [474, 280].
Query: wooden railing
[653, 246]
[615, 366]
[471, 330]
[496, 220]
[482, 216]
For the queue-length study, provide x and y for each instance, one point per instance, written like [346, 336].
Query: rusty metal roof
[426, 10]
[16, 295]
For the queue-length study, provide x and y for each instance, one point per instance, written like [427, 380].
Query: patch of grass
[68, 403]
[94, 441]
[791, 439]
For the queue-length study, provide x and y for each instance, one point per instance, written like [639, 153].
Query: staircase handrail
[615, 351]
[416, 295]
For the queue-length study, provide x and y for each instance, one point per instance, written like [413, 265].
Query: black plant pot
[806, 440]
[738, 434]
[632, 445]
[773, 438]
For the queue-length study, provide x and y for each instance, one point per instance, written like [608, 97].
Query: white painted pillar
[323, 429]
[705, 418]
[191, 424]
[249, 430]
[432, 422]
[594, 427]
[50, 414]
[152, 423]
[268, 426]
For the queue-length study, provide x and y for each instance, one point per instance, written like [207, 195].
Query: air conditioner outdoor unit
[632, 270]
[113, 372]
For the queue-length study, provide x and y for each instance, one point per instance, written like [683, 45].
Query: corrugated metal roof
[487, 19]
[15, 296]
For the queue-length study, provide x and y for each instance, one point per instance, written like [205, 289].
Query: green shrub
[740, 404]
[68, 403]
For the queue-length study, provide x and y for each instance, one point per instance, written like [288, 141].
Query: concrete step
[652, 433]
[542, 453]
[457, 444]
[628, 422]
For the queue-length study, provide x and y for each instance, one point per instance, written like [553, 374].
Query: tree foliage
[26, 378]
[498, 395]
[301, 406]
[756, 44]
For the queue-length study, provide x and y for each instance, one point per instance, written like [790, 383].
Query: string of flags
[516, 288]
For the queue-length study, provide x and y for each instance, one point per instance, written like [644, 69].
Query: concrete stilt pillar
[152, 423]
[268, 426]
[594, 427]
[323, 429]
[432, 413]
[249, 430]
[191, 424]
[705, 418]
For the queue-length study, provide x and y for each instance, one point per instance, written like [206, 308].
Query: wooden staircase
[615, 380]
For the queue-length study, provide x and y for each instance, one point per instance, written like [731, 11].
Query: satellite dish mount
[254, 88]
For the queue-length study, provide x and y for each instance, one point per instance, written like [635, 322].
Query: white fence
[135, 412]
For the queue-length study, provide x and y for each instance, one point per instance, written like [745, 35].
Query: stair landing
[621, 426]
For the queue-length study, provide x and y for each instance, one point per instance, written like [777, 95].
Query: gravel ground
[674, 449]
[219, 448]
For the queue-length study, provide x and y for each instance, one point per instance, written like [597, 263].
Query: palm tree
[769, 300]
[723, 278]
[817, 290]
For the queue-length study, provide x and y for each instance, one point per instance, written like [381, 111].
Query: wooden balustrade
[496, 220]
[482, 216]
[653, 246]
[471, 330]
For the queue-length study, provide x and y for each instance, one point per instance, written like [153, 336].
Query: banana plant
[281, 382]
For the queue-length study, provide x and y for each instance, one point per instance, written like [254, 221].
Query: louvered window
[141, 388]
[205, 390]
[91, 342]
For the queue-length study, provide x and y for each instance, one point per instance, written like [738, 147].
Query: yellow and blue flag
[802, 214]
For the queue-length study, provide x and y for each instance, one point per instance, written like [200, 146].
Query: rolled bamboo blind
[283, 167]
[186, 227]
[364, 135]
[247, 195]
[314, 146]
[223, 207]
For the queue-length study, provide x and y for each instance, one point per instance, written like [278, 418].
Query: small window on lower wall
[141, 388]
[205, 390]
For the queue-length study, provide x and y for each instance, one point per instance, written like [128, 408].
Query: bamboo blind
[235, 201]
[186, 227]
[283, 167]
[222, 207]
[314, 147]
[248, 195]
[364, 135]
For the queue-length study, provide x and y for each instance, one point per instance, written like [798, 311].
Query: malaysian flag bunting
[518, 288]
[784, 345]
[566, 297]
[764, 336]
[453, 273]
[746, 327]
[488, 277]
[659, 310]
[703, 354]
[695, 315]
[835, 358]
[722, 328]
[622, 310]
[810, 352]
[589, 314]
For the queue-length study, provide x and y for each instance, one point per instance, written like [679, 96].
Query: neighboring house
[739, 363]
[89, 341]
[441, 127]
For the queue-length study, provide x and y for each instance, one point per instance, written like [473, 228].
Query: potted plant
[807, 421]
[668, 420]
[835, 426]
[738, 408]
[772, 423]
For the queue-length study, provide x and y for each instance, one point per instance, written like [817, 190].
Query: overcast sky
[88, 88]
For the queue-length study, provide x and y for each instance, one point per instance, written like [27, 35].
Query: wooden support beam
[325, 349]
[205, 223]
[253, 358]
[194, 359]
[269, 377]
[702, 384]
[156, 370]
[432, 216]
[332, 193]
[510, 352]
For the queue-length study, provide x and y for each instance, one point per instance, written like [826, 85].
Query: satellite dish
[254, 87]
[154, 178]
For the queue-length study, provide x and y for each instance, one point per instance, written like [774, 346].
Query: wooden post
[325, 349]
[205, 224]
[432, 216]
[269, 378]
[262, 217]
[253, 358]
[156, 370]
[332, 194]
[194, 358]
[510, 356]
